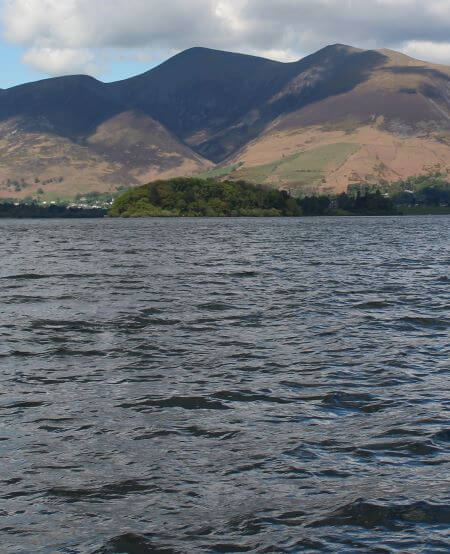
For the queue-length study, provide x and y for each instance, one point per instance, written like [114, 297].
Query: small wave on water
[361, 513]
[130, 543]
[219, 386]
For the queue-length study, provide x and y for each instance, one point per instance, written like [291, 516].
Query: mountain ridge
[204, 107]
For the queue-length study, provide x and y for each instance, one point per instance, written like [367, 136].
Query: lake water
[225, 385]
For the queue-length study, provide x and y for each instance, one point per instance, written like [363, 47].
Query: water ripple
[175, 386]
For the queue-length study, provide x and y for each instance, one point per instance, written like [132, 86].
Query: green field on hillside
[219, 172]
[304, 170]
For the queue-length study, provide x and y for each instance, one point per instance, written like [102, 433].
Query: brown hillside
[129, 149]
[322, 158]
[336, 117]
[398, 121]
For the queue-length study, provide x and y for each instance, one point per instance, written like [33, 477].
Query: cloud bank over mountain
[81, 36]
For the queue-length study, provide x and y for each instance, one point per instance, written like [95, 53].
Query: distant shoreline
[340, 216]
[55, 211]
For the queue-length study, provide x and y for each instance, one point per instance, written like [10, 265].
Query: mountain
[394, 124]
[339, 116]
[216, 101]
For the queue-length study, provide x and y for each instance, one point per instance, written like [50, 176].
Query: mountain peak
[214, 55]
[347, 47]
[206, 106]
[61, 81]
[340, 48]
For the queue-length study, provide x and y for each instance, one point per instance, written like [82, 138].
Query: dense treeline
[33, 210]
[371, 203]
[344, 204]
[215, 198]
[431, 189]
[425, 190]
[199, 197]
[421, 194]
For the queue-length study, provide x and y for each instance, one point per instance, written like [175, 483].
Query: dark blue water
[178, 386]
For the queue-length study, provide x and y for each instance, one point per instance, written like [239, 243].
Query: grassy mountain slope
[398, 121]
[350, 154]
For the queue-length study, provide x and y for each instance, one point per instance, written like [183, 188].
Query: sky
[115, 39]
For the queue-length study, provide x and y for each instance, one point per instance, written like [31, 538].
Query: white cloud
[56, 61]
[72, 35]
[425, 50]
